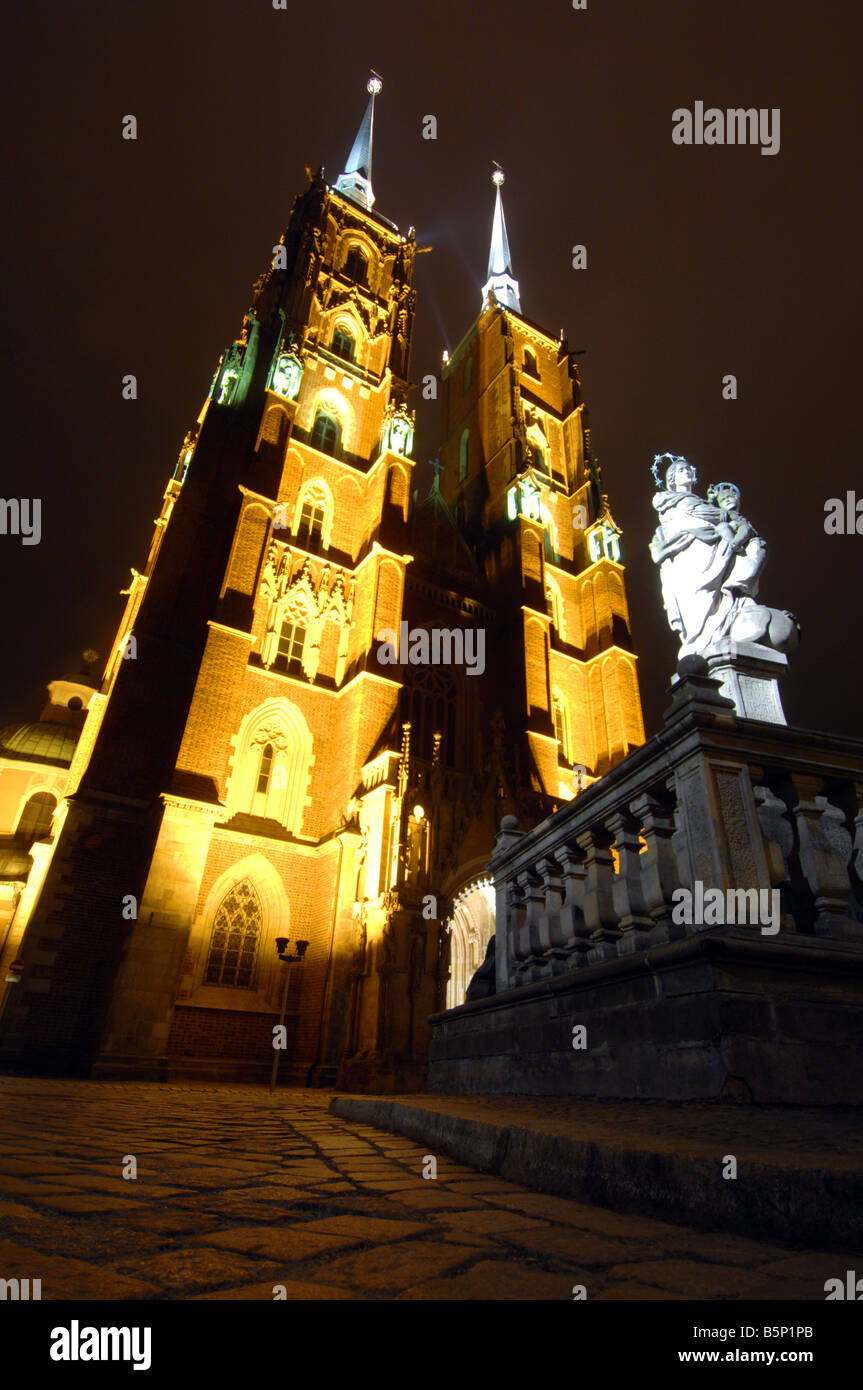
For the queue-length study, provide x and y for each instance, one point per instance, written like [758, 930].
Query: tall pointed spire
[500, 278]
[356, 181]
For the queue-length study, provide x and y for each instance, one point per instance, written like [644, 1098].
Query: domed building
[34, 771]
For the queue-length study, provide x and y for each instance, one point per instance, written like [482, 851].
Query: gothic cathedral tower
[289, 742]
[527, 494]
[211, 807]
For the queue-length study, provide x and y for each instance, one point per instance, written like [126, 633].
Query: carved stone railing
[710, 802]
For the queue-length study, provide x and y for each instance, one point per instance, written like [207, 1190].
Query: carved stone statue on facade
[710, 561]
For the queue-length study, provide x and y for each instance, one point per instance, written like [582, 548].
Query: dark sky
[139, 257]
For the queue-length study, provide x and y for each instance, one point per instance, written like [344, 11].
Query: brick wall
[219, 1033]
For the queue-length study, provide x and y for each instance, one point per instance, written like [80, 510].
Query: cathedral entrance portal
[472, 927]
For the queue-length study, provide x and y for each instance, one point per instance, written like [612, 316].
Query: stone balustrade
[711, 800]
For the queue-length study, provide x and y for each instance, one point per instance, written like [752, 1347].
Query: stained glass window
[234, 943]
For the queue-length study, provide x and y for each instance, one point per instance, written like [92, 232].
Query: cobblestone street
[238, 1191]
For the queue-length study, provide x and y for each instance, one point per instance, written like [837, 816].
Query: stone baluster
[507, 916]
[628, 886]
[550, 930]
[658, 864]
[516, 921]
[823, 860]
[599, 912]
[773, 817]
[534, 897]
[574, 931]
[834, 828]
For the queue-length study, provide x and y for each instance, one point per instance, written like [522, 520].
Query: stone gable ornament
[710, 562]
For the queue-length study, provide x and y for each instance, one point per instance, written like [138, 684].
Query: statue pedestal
[749, 674]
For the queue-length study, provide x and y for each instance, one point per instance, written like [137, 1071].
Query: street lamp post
[281, 948]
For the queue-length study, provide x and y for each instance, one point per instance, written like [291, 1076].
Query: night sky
[140, 257]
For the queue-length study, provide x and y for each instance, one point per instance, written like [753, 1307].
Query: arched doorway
[472, 927]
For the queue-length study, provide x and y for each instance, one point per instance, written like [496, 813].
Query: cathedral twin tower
[252, 768]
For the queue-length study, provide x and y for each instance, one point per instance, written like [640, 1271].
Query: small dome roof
[43, 742]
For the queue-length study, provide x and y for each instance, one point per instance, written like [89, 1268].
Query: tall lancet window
[234, 942]
[463, 455]
[356, 266]
[559, 716]
[311, 525]
[264, 770]
[554, 606]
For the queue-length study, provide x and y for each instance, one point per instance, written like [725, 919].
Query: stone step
[799, 1172]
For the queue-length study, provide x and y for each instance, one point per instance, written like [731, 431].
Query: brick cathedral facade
[273, 751]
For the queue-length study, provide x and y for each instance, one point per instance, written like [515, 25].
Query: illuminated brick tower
[255, 766]
[527, 495]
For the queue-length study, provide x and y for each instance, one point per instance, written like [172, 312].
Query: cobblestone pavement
[238, 1191]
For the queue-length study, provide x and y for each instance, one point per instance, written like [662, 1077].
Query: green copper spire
[356, 181]
[500, 279]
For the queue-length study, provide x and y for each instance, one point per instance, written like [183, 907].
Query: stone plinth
[749, 675]
[725, 1016]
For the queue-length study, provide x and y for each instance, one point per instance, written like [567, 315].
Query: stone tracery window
[313, 517]
[428, 700]
[234, 941]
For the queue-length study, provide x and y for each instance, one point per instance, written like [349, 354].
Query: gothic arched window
[356, 266]
[559, 717]
[310, 529]
[553, 605]
[34, 822]
[344, 344]
[428, 700]
[234, 942]
[292, 641]
[463, 455]
[530, 366]
[326, 433]
[265, 767]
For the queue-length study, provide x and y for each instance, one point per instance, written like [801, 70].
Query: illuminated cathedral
[327, 688]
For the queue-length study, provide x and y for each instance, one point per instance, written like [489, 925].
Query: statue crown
[667, 462]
